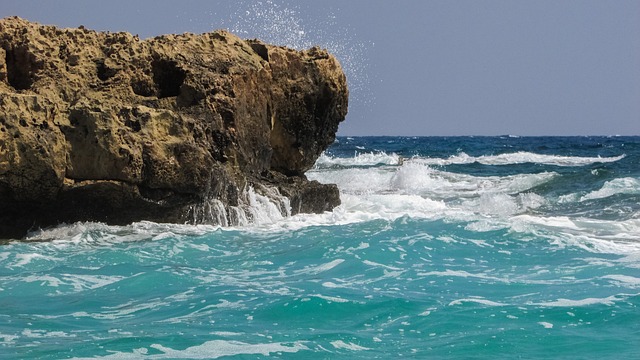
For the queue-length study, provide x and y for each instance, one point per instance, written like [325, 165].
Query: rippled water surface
[497, 247]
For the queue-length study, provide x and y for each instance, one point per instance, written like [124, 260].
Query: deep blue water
[460, 247]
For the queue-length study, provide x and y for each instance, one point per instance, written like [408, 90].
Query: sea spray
[288, 24]
[254, 207]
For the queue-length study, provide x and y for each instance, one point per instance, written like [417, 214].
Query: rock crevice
[107, 127]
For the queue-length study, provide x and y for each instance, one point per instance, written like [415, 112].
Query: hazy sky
[449, 67]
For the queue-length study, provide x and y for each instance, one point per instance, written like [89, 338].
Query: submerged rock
[107, 127]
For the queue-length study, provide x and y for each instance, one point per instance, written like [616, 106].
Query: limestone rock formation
[107, 127]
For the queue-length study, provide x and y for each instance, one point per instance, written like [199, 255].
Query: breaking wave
[519, 158]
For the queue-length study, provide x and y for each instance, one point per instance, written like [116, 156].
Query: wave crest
[359, 160]
[627, 185]
[520, 157]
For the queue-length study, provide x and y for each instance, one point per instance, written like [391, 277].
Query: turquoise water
[479, 248]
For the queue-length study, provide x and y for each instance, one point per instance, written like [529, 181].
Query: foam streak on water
[481, 259]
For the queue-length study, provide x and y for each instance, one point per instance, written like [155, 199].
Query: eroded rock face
[107, 127]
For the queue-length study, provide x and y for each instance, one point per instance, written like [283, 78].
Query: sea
[443, 248]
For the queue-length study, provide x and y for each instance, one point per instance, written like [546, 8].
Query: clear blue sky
[459, 67]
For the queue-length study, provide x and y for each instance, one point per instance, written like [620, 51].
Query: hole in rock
[21, 67]
[261, 50]
[104, 72]
[168, 77]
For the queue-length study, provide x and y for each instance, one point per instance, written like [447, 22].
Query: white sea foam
[226, 333]
[625, 185]
[623, 280]
[120, 311]
[608, 301]
[94, 233]
[486, 212]
[368, 193]
[520, 157]
[463, 274]
[8, 339]
[413, 188]
[391, 207]
[356, 180]
[357, 208]
[209, 350]
[420, 191]
[84, 282]
[339, 344]
[331, 298]
[264, 205]
[375, 264]
[416, 178]
[257, 208]
[594, 235]
[320, 268]
[44, 280]
[477, 301]
[331, 285]
[41, 334]
[378, 186]
[630, 260]
[205, 311]
[504, 204]
[359, 160]
[546, 325]
[361, 246]
[25, 259]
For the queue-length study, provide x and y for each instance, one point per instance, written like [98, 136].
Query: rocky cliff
[107, 127]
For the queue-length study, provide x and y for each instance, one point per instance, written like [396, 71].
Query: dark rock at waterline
[106, 127]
